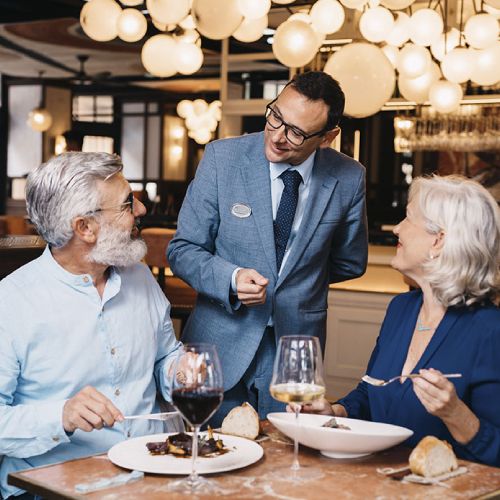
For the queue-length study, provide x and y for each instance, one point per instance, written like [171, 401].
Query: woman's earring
[431, 255]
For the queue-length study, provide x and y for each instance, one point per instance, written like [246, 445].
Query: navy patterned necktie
[286, 212]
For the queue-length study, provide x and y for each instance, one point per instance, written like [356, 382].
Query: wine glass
[298, 379]
[197, 392]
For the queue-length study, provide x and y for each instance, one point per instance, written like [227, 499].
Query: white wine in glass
[298, 378]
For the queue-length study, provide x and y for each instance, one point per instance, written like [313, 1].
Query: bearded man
[85, 331]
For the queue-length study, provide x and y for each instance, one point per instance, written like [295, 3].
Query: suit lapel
[257, 183]
[322, 187]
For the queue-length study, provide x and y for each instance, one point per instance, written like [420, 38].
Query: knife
[153, 416]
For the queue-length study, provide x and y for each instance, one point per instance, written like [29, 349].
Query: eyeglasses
[129, 204]
[293, 134]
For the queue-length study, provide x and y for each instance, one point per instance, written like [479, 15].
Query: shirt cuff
[233, 280]
[50, 417]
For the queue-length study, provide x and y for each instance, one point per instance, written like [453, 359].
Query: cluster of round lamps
[430, 63]
[201, 118]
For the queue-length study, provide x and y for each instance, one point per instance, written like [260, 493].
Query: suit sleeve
[349, 252]
[485, 402]
[191, 252]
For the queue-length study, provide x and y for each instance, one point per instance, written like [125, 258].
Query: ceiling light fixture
[39, 118]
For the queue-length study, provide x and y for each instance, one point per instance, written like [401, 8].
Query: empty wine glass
[197, 392]
[298, 379]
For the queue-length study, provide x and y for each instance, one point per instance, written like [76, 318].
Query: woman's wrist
[462, 424]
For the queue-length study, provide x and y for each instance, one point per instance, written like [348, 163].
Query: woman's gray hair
[65, 187]
[466, 271]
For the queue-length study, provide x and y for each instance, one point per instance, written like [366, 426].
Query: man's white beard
[115, 247]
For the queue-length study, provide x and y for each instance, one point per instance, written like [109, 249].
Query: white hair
[466, 271]
[65, 187]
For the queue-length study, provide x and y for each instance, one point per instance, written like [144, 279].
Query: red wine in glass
[197, 405]
[197, 392]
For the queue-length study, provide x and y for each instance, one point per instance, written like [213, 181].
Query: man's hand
[190, 369]
[89, 410]
[251, 287]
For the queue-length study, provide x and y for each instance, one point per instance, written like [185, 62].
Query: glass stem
[295, 463]
[193, 478]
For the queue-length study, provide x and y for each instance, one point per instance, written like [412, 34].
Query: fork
[153, 416]
[381, 383]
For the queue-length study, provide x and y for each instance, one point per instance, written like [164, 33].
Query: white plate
[133, 454]
[362, 439]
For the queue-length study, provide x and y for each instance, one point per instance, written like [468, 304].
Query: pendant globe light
[425, 27]
[168, 11]
[39, 118]
[132, 25]
[295, 43]
[413, 60]
[99, 19]
[254, 9]
[481, 31]
[216, 19]
[445, 96]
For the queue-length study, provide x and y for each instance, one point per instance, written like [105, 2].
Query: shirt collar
[75, 280]
[304, 169]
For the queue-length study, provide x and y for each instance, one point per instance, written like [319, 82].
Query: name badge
[241, 210]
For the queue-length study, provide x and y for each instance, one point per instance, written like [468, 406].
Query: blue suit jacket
[467, 341]
[211, 242]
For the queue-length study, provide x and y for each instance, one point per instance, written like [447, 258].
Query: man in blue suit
[270, 220]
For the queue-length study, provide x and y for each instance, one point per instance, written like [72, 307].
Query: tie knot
[291, 179]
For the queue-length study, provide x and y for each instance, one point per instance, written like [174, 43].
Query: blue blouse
[467, 341]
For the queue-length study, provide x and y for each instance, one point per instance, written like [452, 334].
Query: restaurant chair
[180, 295]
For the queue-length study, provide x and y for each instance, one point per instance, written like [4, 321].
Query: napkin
[118, 480]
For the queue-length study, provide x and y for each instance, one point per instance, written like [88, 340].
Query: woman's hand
[436, 393]
[439, 397]
[320, 407]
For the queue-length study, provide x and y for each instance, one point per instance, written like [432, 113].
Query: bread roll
[242, 421]
[432, 457]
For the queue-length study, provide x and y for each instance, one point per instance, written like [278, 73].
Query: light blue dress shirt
[57, 335]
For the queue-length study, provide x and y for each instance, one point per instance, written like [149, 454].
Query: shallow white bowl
[362, 439]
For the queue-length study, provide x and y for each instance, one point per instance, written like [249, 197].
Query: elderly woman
[449, 244]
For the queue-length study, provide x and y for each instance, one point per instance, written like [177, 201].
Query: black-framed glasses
[128, 204]
[292, 133]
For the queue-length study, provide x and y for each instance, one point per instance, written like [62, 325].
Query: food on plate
[333, 424]
[180, 445]
[432, 457]
[242, 421]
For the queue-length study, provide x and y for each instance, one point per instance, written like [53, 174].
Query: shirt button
[55, 439]
[128, 434]
[117, 392]
[113, 351]
[85, 279]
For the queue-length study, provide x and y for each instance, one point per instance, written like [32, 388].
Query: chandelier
[416, 49]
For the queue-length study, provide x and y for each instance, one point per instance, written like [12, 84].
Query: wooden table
[353, 479]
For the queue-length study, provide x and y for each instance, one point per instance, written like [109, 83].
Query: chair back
[157, 240]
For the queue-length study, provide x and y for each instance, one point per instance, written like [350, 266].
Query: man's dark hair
[316, 85]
